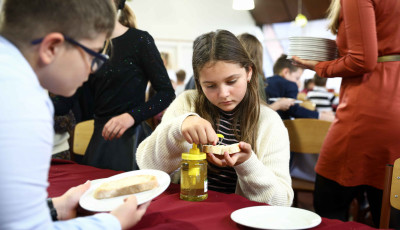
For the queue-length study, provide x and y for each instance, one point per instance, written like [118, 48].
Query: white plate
[315, 58]
[88, 202]
[275, 217]
[277, 98]
[312, 39]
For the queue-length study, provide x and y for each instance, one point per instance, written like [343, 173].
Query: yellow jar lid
[188, 156]
[194, 154]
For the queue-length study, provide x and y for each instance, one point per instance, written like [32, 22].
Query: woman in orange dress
[365, 135]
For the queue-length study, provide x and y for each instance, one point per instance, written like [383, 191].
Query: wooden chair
[391, 193]
[82, 134]
[306, 136]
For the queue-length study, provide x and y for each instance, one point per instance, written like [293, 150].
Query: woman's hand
[199, 131]
[117, 126]
[67, 203]
[231, 159]
[129, 213]
[305, 64]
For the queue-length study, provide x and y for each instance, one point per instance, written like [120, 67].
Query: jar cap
[194, 154]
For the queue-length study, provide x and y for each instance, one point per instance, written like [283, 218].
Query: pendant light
[301, 19]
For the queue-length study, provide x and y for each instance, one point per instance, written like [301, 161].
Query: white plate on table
[88, 202]
[275, 217]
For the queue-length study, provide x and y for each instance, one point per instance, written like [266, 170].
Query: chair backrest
[82, 134]
[395, 188]
[309, 105]
[307, 135]
[391, 193]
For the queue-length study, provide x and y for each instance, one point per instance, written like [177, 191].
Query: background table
[167, 211]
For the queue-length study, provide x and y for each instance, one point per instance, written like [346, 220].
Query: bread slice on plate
[220, 149]
[126, 186]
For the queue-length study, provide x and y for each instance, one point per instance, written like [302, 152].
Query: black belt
[389, 58]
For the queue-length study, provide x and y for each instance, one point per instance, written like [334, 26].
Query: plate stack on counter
[312, 48]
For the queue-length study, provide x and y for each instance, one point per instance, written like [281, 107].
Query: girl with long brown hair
[227, 102]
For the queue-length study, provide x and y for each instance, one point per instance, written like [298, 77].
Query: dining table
[168, 211]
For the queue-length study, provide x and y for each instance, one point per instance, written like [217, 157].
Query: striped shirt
[322, 98]
[224, 179]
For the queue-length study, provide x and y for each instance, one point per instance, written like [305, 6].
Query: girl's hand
[231, 159]
[305, 64]
[198, 130]
[117, 126]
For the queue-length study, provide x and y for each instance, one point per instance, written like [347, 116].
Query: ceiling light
[243, 4]
[300, 20]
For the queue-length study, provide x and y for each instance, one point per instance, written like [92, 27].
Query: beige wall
[174, 24]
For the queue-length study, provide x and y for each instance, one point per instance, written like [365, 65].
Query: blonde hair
[25, 20]
[126, 16]
[333, 16]
[254, 48]
[223, 46]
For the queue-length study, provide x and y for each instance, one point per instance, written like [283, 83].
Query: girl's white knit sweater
[264, 177]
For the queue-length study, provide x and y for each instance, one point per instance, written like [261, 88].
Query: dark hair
[283, 63]
[25, 20]
[181, 75]
[224, 46]
[307, 82]
[320, 81]
[121, 4]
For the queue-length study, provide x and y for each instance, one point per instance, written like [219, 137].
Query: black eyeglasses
[98, 60]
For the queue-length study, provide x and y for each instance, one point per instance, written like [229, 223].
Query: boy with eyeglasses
[44, 46]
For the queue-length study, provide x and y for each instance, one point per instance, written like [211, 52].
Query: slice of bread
[126, 186]
[220, 149]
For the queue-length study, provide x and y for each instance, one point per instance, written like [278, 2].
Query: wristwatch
[53, 211]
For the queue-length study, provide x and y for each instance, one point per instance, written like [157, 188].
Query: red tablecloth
[167, 211]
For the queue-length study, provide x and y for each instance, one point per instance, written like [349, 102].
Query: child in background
[255, 50]
[180, 84]
[226, 101]
[319, 95]
[119, 93]
[308, 85]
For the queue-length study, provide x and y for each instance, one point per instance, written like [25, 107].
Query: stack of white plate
[312, 48]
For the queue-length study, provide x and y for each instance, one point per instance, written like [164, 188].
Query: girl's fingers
[211, 136]
[203, 136]
[216, 161]
[195, 137]
[245, 147]
[231, 161]
[188, 138]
